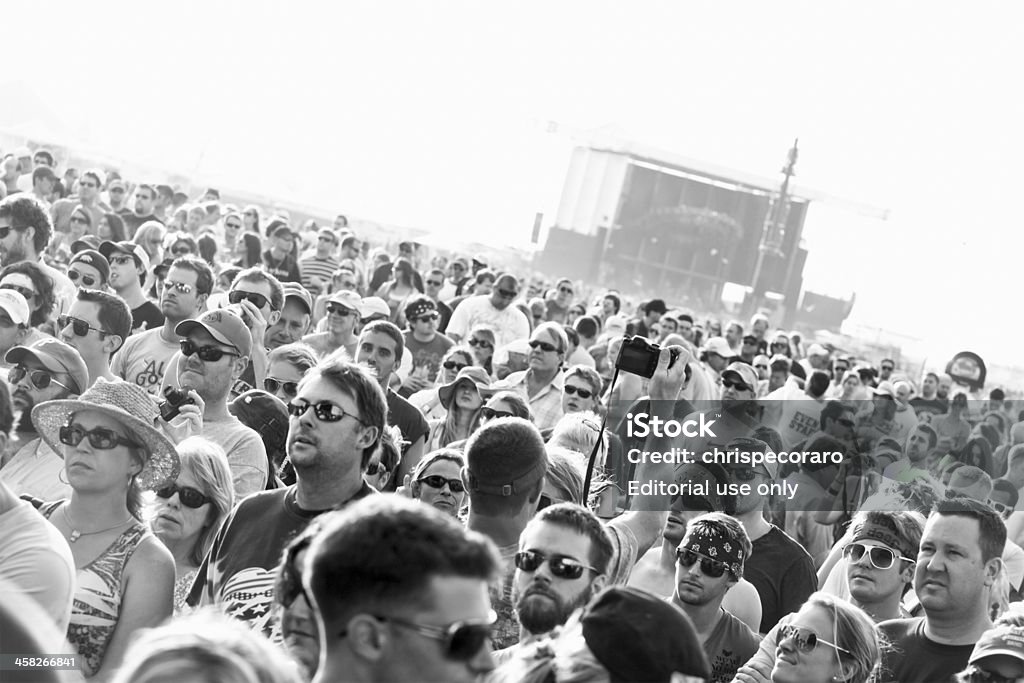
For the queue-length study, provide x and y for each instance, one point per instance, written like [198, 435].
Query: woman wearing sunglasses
[437, 481]
[582, 390]
[188, 512]
[462, 400]
[112, 453]
[505, 404]
[428, 401]
[481, 340]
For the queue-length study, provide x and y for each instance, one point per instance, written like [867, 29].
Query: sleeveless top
[97, 603]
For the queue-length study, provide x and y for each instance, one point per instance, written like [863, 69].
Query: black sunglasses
[87, 280]
[434, 283]
[710, 567]
[507, 293]
[210, 354]
[426, 318]
[100, 438]
[181, 287]
[339, 310]
[805, 639]
[40, 378]
[481, 342]
[78, 326]
[461, 641]
[452, 365]
[436, 481]
[570, 390]
[325, 411]
[739, 386]
[272, 385]
[561, 566]
[846, 422]
[257, 300]
[491, 413]
[879, 556]
[544, 346]
[189, 497]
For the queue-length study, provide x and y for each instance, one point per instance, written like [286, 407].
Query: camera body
[638, 356]
[174, 400]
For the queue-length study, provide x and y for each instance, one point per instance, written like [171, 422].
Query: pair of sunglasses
[40, 379]
[739, 386]
[491, 413]
[436, 481]
[272, 385]
[210, 354]
[87, 280]
[481, 342]
[325, 411]
[460, 641]
[452, 365]
[879, 556]
[340, 311]
[257, 300]
[805, 639]
[78, 326]
[710, 567]
[561, 566]
[100, 438]
[571, 390]
[544, 346]
[189, 497]
[180, 287]
[430, 317]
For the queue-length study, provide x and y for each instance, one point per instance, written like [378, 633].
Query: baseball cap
[116, 182]
[223, 325]
[720, 346]
[141, 257]
[638, 636]
[85, 242]
[327, 232]
[513, 474]
[885, 389]
[348, 299]
[22, 152]
[999, 640]
[745, 372]
[275, 225]
[266, 414]
[293, 290]
[616, 324]
[817, 350]
[94, 259]
[372, 306]
[17, 308]
[480, 260]
[460, 261]
[55, 356]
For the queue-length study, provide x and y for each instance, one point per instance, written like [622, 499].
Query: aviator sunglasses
[710, 567]
[561, 566]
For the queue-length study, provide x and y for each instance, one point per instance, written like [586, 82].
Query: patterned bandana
[885, 534]
[708, 538]
[419, 309]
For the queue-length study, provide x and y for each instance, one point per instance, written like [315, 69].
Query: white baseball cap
[15, 305]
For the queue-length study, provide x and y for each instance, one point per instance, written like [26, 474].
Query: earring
[62, 476]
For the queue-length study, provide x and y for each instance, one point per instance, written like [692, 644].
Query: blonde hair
[209, 465]
[854, 631]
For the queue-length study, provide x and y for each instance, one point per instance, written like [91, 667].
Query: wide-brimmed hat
[475, 374]
[130, 405]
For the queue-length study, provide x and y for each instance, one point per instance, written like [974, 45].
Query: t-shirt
[238, 573]
[913, 658]
[426, 356]
[143, 359]
[132, 221]
[409, 421]
[313, 266]
[799, 419]
[246, 453]
[146, 316]
[285, 270]
[783, 574]
[729, 647]
[509, 324]
[35, 471]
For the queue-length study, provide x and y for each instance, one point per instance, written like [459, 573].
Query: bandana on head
[420, 308]
[882, 533]
[710, 539]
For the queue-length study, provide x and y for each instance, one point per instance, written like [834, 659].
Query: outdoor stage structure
[646, 221]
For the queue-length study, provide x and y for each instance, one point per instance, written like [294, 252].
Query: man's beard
[538, 615]
[25, 415]
[15, 253]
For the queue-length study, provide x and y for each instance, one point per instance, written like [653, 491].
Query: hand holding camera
[182, 413]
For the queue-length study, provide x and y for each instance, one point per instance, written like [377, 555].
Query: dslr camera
[174, 399]
[638, 356]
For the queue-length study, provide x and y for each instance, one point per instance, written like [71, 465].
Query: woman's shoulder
[151, 555]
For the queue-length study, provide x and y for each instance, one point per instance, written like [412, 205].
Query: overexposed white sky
[426, 114]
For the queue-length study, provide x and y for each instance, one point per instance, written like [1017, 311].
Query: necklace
[76, 534]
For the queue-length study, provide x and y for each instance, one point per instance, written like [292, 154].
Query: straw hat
[130, 405]
[474, 374]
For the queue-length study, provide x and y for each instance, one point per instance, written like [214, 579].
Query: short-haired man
[343, 312]
[45, 371]
[928, 401]
[96, 326]
[129, 267]
[294, 321]
[337, 418]
[42, 158]
[279, 259]
[381, 347]
[913, 464]
[424, 344]
[144, 357]
[541, 384]
[652, 312]
[25, 232]
[145, 203]
[494, 311]
[558, 304]
[885, 369]
[215, 350]
[958, 563]
[89, 186]
[409, 610]
[43, 181]
[433, 285]
[316, 268]
[709, 562]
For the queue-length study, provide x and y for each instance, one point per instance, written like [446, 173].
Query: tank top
[97, 603]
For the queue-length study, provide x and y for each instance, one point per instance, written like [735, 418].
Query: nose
[483, 662]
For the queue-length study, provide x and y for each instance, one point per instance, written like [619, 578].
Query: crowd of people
[239, 449]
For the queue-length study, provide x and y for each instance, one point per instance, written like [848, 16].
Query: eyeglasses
[339, 310]
[233, 226]
[272, 384]
[257, 300]
[880, 556]
[87, 280]
[189, 497]
[710, 567]
[571, 390]
[452, 365]
[732, 384]
[491, 413]
[461, 641]
[182, 250]
[121, 260]
[375, 468]
[180, 287]
[427, 318]
[434, 283]
[1003, 509]
[78, 326]
[40, 379]
[507, 293]
[24, 291]
[888, 368]
[561, 566]
[805, 639]
[210, 354]
[325, 411]
[436, 481]
[543, 346]
[483, 343]
[761, 367]
[100, 438]
[565, 290]
[79, 219]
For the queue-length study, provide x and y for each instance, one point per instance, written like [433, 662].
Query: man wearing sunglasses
[403, 612]
[89, 269]
[343, 312]
[494, 311]
[129, 267]
[257, 297]
[145, 357]
[47, 370]
[318, 267]
[433, 287]
[425, 345]
[335, 425]
[542, 383]
[709, 562]
[96, 326]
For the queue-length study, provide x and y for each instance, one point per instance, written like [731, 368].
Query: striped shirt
[313, 266]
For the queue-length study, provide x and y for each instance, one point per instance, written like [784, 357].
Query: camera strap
[600, 440]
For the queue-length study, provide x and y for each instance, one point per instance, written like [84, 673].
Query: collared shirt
[35, 470]
[546, 404]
